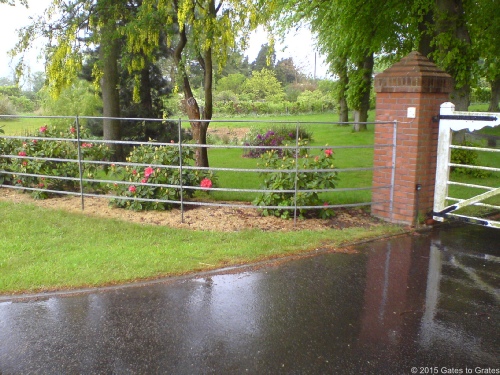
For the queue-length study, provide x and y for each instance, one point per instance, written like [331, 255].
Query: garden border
[182, 166]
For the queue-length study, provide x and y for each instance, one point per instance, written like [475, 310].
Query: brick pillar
[417, 83]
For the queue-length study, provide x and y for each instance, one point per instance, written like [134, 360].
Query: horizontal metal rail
[82, 162]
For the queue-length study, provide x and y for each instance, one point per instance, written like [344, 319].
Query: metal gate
[451, 120]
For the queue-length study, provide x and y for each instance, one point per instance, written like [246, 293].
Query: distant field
[21, 125]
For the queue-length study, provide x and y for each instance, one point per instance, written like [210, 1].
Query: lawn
[21, 125]
[50, 249]
[46, 249]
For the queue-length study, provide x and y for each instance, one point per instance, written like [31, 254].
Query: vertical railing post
[80, 165]
[179, 126]
[296, 173]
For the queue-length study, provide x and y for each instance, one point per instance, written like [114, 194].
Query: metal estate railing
[353, 165]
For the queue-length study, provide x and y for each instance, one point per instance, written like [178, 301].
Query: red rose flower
[206, 183]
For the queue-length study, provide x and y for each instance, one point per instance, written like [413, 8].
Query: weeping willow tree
[352, 34]
[349, 33]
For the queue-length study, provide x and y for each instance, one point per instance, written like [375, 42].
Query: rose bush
[39, 160]
[156, 177]
[309, 177]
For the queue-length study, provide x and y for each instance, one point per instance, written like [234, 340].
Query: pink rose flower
[132, 189]
[72, 130]
[328, 152]
[22, 153]
[144, 180]
[148, 172]
[206, 183]
[43, 129]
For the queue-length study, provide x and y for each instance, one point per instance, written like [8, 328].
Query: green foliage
[247, 107]
[277, 136]
[287, 72]
[6, 106]
[226, 97]
[467, 157]
[263, 85]
[233, 82]
[18, 101]
[78, 99]
[34, 148]
[266, 58]
[141, 181]
[315, 101]
[12, 90]
[480, 95]
[314, 173]
[23, 104]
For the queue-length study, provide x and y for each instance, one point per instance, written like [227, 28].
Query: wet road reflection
[415, 301]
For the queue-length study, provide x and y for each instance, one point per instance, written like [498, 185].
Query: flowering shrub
[276, 137]
[57, 149]
[305, 181]
[143, 181]
[206, 183]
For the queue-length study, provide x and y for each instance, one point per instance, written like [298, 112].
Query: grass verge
[44, 249]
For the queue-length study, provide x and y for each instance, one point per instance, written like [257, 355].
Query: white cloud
[13, 18]
[298, 45]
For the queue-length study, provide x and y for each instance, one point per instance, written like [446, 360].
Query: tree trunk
[361, 114]
[425, 46]
[343, 110]
[461, 98]
[342, 83]
[495, 95]
[199, 128]
[145, 93]
[451, 22]
[109, 54]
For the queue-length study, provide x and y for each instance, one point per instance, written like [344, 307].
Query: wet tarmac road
[425, 304]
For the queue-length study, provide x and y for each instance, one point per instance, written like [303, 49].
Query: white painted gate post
[443, 160]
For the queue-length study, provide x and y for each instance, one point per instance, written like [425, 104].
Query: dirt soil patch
[229, 134]
[227, 219]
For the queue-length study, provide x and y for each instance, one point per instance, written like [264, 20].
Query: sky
[299, 44]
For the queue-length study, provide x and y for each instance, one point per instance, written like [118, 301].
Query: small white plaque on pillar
[411, 112]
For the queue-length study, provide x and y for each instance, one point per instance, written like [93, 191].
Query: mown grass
[21, 125]
[45, 249]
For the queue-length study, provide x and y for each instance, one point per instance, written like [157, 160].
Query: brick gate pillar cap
[413, 73]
